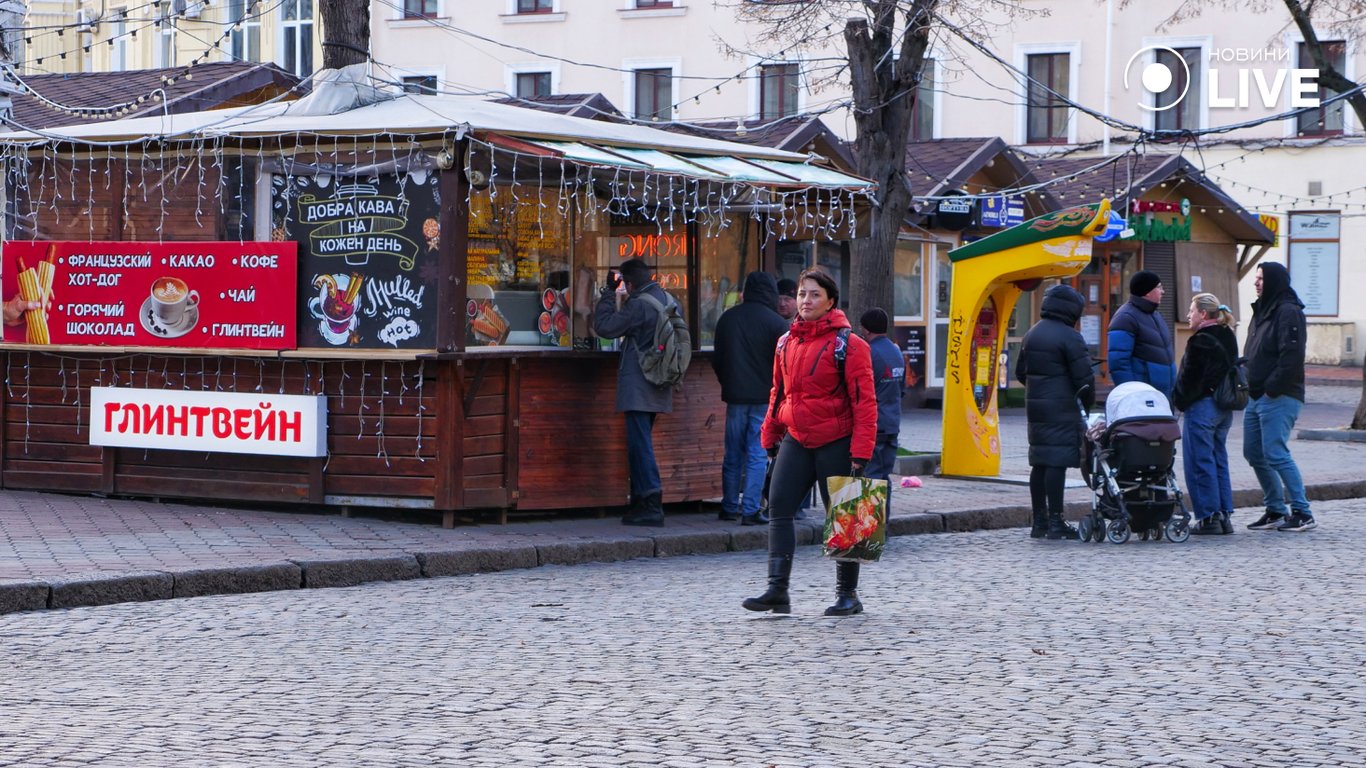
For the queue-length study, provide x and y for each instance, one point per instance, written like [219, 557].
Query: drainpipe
[1105, 107]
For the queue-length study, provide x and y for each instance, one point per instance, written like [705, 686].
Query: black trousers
[794, 470]
[1046, 485]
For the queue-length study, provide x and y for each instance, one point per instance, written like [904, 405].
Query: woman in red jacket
[821, 421]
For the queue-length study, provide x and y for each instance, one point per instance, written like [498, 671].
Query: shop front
[385, 307]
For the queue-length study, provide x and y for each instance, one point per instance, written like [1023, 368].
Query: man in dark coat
[746, 336]
[1275, 384]
[1140, 342]
[640, 400]
[889, 379]
[1055, 367]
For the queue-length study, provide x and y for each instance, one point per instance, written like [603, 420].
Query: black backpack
[1231, 394]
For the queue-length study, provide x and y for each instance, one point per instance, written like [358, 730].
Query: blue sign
[1113, 228]
[1001, 211]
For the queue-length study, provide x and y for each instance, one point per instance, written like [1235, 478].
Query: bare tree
[346, 32]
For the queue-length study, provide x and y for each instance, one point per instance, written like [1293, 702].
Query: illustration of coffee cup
[170, 299]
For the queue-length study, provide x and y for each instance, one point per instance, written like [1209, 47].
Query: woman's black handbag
[1232, 394]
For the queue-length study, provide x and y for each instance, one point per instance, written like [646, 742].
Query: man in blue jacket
[889, 379]
[1141, 347]
[746, 337]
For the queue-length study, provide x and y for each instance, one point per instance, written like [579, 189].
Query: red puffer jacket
[817, 408]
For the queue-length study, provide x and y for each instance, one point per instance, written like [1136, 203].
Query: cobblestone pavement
[978, 649]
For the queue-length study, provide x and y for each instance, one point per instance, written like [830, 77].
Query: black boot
[775, 598]
[846, 590]
[1058, 529]
[760, 517]
[1039, 525]
[651, 512]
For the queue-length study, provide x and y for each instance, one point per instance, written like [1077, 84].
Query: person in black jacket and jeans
[746, 336]
[1275, 384]
[1210, 353]
[1055, 368]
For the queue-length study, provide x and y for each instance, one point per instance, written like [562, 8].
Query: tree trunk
[346, 32]
[1359, 418]
[884, 90]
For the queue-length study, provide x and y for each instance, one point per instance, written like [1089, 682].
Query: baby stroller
[1127, 461]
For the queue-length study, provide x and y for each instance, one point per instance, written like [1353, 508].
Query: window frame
[933, 92]
[630, 69]
[118, 34]
[165, 35]
[411, 15]
[761, 84]
[1203, 42]
[511, 72]
[295, 27]
[1023, 53]
[1346, 69]
[515, 7]
[241, 36]
[517, 84]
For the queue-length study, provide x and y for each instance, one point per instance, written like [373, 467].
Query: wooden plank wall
[572, 442]
[382, 428]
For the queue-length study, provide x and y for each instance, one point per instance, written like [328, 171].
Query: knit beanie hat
[1143, 282]
[874, 321]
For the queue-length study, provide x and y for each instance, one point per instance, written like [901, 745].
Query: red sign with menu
[226, 295]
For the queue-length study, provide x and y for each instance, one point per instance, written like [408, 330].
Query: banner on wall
[220, 295]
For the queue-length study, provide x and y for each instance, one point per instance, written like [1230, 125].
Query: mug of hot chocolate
[170, 299]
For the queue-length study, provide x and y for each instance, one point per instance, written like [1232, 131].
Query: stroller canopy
[1135, 400]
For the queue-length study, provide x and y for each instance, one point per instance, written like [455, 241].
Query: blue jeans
[640, 454]
[884, 457]
[1204, 434]
[1266, 446]
[744, 461]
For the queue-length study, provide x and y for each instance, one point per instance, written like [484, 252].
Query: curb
[110, 587]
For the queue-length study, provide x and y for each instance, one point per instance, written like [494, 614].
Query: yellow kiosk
[988, 277]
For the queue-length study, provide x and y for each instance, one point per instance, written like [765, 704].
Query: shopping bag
[856, 518]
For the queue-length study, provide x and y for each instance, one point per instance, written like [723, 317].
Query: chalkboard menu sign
[367, 257]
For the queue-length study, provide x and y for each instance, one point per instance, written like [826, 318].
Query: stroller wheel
[1118, 532]
[1084, 527]
[1157, 533]
[1098, 535]
[1178, 531]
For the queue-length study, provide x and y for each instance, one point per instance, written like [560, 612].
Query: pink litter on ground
[910, 482]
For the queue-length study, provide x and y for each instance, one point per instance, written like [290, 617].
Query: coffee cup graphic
[171, 298]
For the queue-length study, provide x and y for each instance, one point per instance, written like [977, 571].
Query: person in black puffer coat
[746, 336]
[1210, 353]
[1055, 367]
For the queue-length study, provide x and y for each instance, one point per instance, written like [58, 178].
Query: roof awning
[756, 171]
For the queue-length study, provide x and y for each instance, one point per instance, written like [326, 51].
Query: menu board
[368, 250]
[226, 295]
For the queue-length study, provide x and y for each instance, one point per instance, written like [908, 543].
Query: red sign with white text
[226, 295]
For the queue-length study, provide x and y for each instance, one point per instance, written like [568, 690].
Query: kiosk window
[725, 257]
[517, 259]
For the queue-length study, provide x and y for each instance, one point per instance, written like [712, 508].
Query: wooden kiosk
[436, 261]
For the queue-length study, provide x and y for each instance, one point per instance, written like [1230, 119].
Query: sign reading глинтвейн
[216, 422]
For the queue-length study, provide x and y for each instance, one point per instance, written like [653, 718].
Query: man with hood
[1275, 383]
[746, 336]
[1055, 368]
[1140, 342]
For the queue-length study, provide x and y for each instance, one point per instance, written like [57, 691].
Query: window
[1324, 121]
[297, 27]
[246, 38]
[922, 114]
[725, 256]
[531, 85]
[1046, 112]
[778, 88]
[654, 3]
[419, 84]
[654, 94]
[420, 9]
[118, 36]
[165, 42]
[907, 279]
[1185, 91]
[535, 6]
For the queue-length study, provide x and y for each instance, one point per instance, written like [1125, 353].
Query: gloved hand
[613, 281]
[772, 452]
[856, 467]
